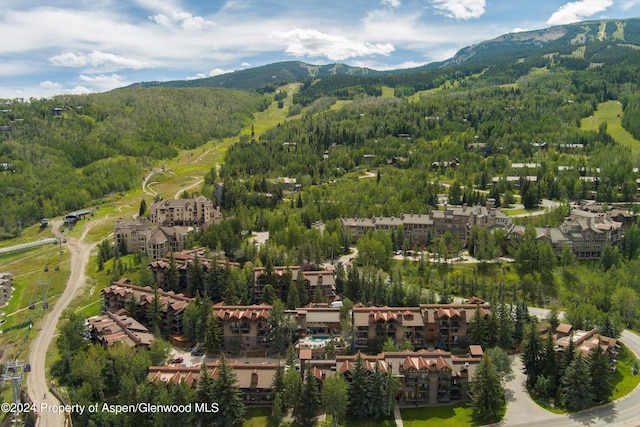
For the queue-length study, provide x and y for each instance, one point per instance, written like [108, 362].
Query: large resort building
[423, 228]
[168, 227]
[587, 233]
[441, 326]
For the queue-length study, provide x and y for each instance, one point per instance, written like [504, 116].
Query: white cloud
[184, 20]
[313, 43]
[102, 82]
[626, 5]
[460, 9]
[519, 30]
[212, 73]
[245, 65]
[79, 90]
[392, 3]
[48, 84]
[578, 10]
[97, 59]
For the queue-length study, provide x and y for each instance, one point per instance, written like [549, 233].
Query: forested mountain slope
[60, 154]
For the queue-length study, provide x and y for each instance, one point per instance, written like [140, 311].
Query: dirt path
[189, 187]
[37, 385]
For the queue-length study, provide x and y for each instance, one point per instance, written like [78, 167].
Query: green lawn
[441, 416]
[610, 112]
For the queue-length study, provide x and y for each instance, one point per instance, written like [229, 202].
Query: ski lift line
[27, 245]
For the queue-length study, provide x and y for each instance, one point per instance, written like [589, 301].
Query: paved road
[523, 412]
[37, 385]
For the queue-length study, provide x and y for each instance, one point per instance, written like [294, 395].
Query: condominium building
[195, 212]
[140, 235]
[122, 294]
[428, 326]
[281, 278]
[422, 228]
[244, 327]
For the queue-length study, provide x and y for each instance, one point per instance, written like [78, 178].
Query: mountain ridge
[560, 39]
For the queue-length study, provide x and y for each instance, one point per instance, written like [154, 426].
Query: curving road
[523, 412]
[37, 385]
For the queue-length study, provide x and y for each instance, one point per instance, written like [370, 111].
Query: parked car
[197, 352]
[178, 359]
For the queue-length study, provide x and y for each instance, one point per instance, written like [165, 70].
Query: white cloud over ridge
[212, 73]
[313, 43]
[97, 59]
[578, 10]
[460, 9]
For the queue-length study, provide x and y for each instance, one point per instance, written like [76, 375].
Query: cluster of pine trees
[567, 377]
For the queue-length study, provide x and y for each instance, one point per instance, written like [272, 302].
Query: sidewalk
[398, 416]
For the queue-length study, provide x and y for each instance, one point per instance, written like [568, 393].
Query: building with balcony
[422, 228]
[244, 327]
[441, 326]
[195, 212]
[426, 377]
[111, 328]
[140, 235]
[122, 294]
[253, 379]
[281, 278]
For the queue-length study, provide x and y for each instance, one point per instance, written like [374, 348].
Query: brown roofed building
[195, 212]
[111, 328]
[244, 327]
[427, 377]
[427, 326]
[123, 292]
[140, 235]
[281, 278]
[182, 260]
[253, 379]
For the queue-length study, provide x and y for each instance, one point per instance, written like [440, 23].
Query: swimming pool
[319, 338]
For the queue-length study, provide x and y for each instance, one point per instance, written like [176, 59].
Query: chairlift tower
[14, 371]
[45, 285]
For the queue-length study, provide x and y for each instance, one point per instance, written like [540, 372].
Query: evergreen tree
[292, 388]
[173, 275]
[360, 404]
[277, 409]
[205, 394]
[196, 277]
[335, 398]
[281, 328]
[487, 394]
[549, 362]
[568, 355]
[143, 208]
[309, 402]
[277, 385]
[609, 328]
[505, 326]
[600, 371]
[477, 333]
[379, 393]
[532, 353]
[228, 396]
[212, 333]
[154, 313]
[576, 385]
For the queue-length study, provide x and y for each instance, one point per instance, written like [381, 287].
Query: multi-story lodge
[420, 228]
[428, 326]
[168, 228]
[110, 328]
[244, 327]
[426, 377]
[587, 234]
[323, 281]
[196, 212]
[182, 260]
[123, 294]
[253, 379]
[140, 235]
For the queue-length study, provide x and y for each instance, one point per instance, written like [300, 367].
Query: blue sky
[81, 46]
